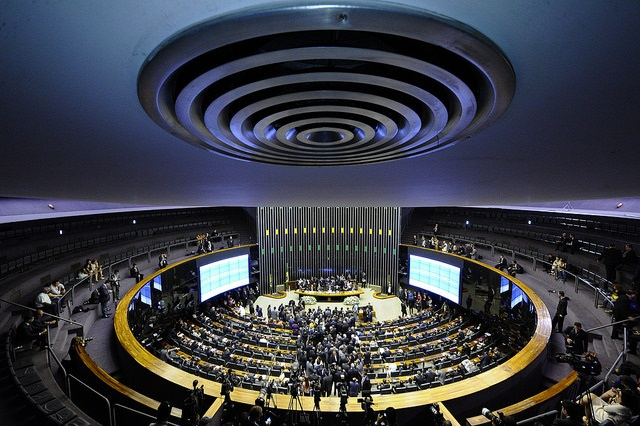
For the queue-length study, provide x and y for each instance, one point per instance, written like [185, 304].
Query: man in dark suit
[576, 339]
[135, 273]
[561, 312]
[621, 311]
[27, 333]
[611, 257]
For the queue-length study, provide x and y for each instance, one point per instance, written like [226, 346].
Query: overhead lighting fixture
[326, 85]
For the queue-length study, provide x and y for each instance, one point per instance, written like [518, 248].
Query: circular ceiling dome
[326, 85]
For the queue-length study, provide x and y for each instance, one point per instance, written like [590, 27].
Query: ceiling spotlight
[51, 206]
[619, 205]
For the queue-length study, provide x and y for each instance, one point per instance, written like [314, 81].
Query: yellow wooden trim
[516, 364]
[525, 404]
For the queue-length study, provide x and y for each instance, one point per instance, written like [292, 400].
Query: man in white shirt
[43, 301]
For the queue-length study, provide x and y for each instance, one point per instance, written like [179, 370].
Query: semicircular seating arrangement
[431, 348]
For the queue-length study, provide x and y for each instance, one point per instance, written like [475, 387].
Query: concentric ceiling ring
[326, 85]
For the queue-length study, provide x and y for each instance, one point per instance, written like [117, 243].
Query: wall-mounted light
[133, 221]
[61, 232]
[529, 222]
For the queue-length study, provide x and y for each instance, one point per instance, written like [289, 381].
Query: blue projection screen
[223, 275]
[145, 294]
[435, 276]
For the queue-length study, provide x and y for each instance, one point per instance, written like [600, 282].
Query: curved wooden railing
[532, 402]
[499, 378]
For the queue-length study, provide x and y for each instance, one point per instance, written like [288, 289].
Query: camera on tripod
[317, 393]
[265, 394]
[294, 386]
[583, 364]
[192, 403]
[344, 396]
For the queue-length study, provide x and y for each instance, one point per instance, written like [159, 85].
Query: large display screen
[517, 296]
[145, 294]
[504, 284]
[221, 275]
[157, 282]
[435, 276]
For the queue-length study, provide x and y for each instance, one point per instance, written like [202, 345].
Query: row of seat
[243, 367]
[28, 381]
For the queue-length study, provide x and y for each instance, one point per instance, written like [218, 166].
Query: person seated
[562, 270]
[135, 273]
[162, 260]
[502, 263]
[43, 301]
[548, 263]
[27, 333]
[473, 252]
[97, 270]
[576, 339]
[42, 321]
[86, 269]
[56, 289]
[514, 268]
[618, 410]
[571, 414]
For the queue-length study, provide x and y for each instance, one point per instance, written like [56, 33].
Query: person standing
[114, 280]
[103, 298]
[611, 257]
[561, 312]
[621, 311]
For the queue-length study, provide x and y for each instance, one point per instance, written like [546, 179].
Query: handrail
[612, 323]
[140, 413]
[70, 321]
[620, 357]
[71, 376]
[119, 387]
[51, 353]
[72, 291]
[538, 417]
[534, 259]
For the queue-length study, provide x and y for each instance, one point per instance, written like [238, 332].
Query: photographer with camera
[192, 405]
[387, 417]
[500, 419]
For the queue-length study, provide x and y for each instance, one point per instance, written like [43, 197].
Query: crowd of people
[328, 351]
[331, 284]
[447, 246]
